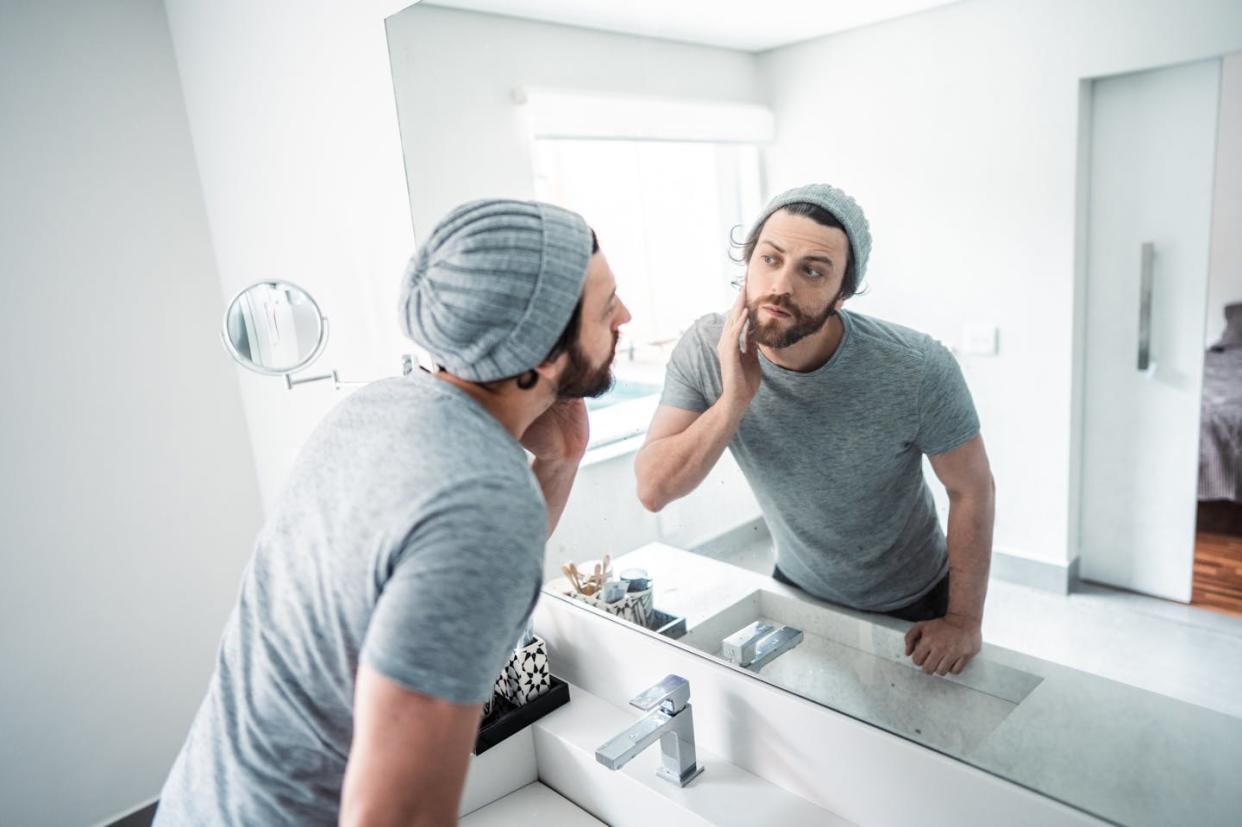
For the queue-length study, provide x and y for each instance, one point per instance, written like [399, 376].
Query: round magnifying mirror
[274, 328]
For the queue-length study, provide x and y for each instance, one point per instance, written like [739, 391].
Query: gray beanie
[495, 285]
[838, 203]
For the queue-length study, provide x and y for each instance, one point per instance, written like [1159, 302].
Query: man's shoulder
[378, 429]
[706, 329]
[894, 340]
[697, 343]
[432, 413]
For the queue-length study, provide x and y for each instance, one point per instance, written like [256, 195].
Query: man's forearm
[672, 467]
[556, 480]
[970, 552]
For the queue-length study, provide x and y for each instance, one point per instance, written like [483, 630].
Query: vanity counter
[1116, 751]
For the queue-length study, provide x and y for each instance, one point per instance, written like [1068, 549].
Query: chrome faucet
[671, 723]
[760, 643]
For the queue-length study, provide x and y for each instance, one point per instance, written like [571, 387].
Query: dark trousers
[930, 606]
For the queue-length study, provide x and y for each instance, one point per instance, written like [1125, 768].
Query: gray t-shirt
[834, 455]
[410, 538]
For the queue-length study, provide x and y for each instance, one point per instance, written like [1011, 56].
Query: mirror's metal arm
[304, 380]
[337, 381]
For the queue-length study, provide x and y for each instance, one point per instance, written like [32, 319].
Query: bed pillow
[1232, 337]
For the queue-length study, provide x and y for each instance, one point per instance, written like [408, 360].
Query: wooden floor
[1217, 582]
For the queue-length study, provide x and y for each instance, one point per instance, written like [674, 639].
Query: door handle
[1147, 255]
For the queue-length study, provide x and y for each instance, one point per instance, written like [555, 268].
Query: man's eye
[813, 273]
[769, 260]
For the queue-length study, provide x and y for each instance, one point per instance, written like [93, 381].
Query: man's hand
[740, 373]
[682, 445]
[560, 434]
[945, 644]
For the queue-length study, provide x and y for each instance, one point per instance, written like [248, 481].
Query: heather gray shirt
[410, 538]
[834, 456]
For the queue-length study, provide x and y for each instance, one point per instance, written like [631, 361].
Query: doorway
[1218, 535]
[1148, 270]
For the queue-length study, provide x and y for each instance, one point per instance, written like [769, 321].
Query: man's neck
[515, 409]
[812, 352]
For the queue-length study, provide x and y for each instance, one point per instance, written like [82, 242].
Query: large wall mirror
[1052, 195]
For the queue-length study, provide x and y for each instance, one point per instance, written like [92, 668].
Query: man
[404, 559]
[829, 414]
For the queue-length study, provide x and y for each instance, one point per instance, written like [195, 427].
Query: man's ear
[552, 369]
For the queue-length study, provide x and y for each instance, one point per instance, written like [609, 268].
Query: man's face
[588, 370]
[794, 277]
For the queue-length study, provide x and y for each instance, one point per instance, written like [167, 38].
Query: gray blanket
[1220, 427]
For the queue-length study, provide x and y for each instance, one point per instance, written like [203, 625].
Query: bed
[1220, 426]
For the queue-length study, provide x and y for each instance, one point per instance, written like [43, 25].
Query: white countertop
[1119, 752]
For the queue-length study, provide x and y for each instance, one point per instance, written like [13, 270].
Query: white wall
[957, 130]
[128, 495]
[295, 132]
[1225, 258]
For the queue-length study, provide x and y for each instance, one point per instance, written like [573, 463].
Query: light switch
[980, 339]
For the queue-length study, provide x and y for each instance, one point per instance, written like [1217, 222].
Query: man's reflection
[829, 414]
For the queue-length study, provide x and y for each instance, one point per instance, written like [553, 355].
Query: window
[664, 210]
[664, 213]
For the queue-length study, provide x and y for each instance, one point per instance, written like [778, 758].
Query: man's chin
[599, 386]
[605, 384]
[771, 334]
[778, 334]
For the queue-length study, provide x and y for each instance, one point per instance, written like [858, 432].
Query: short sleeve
[462, 588]
[684, 380]
[947, 416]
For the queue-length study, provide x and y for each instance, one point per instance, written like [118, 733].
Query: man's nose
[781, 283]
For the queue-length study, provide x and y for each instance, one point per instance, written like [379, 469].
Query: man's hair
[563, 343]
[849, 283]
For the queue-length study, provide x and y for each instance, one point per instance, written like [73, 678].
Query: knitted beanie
[837, 202]
[492, 289]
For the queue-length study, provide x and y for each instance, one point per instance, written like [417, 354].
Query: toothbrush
[571, 571]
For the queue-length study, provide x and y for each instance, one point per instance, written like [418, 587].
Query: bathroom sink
[549, 774]
[859, 667]
[535, 805]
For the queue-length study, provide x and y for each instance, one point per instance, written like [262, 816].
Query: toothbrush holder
[636, 607]
[525, 675]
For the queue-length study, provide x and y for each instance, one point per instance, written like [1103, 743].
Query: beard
[582, 381]
[781, 333]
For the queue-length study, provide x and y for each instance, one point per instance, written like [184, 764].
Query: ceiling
[749, 25]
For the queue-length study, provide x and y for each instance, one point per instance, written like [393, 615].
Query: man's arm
[947, 645]
[683, 446]
[408, 760]
[967, 478]
[556, 480]
[681, 449]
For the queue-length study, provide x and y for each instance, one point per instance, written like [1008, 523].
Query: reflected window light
[664, 213]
